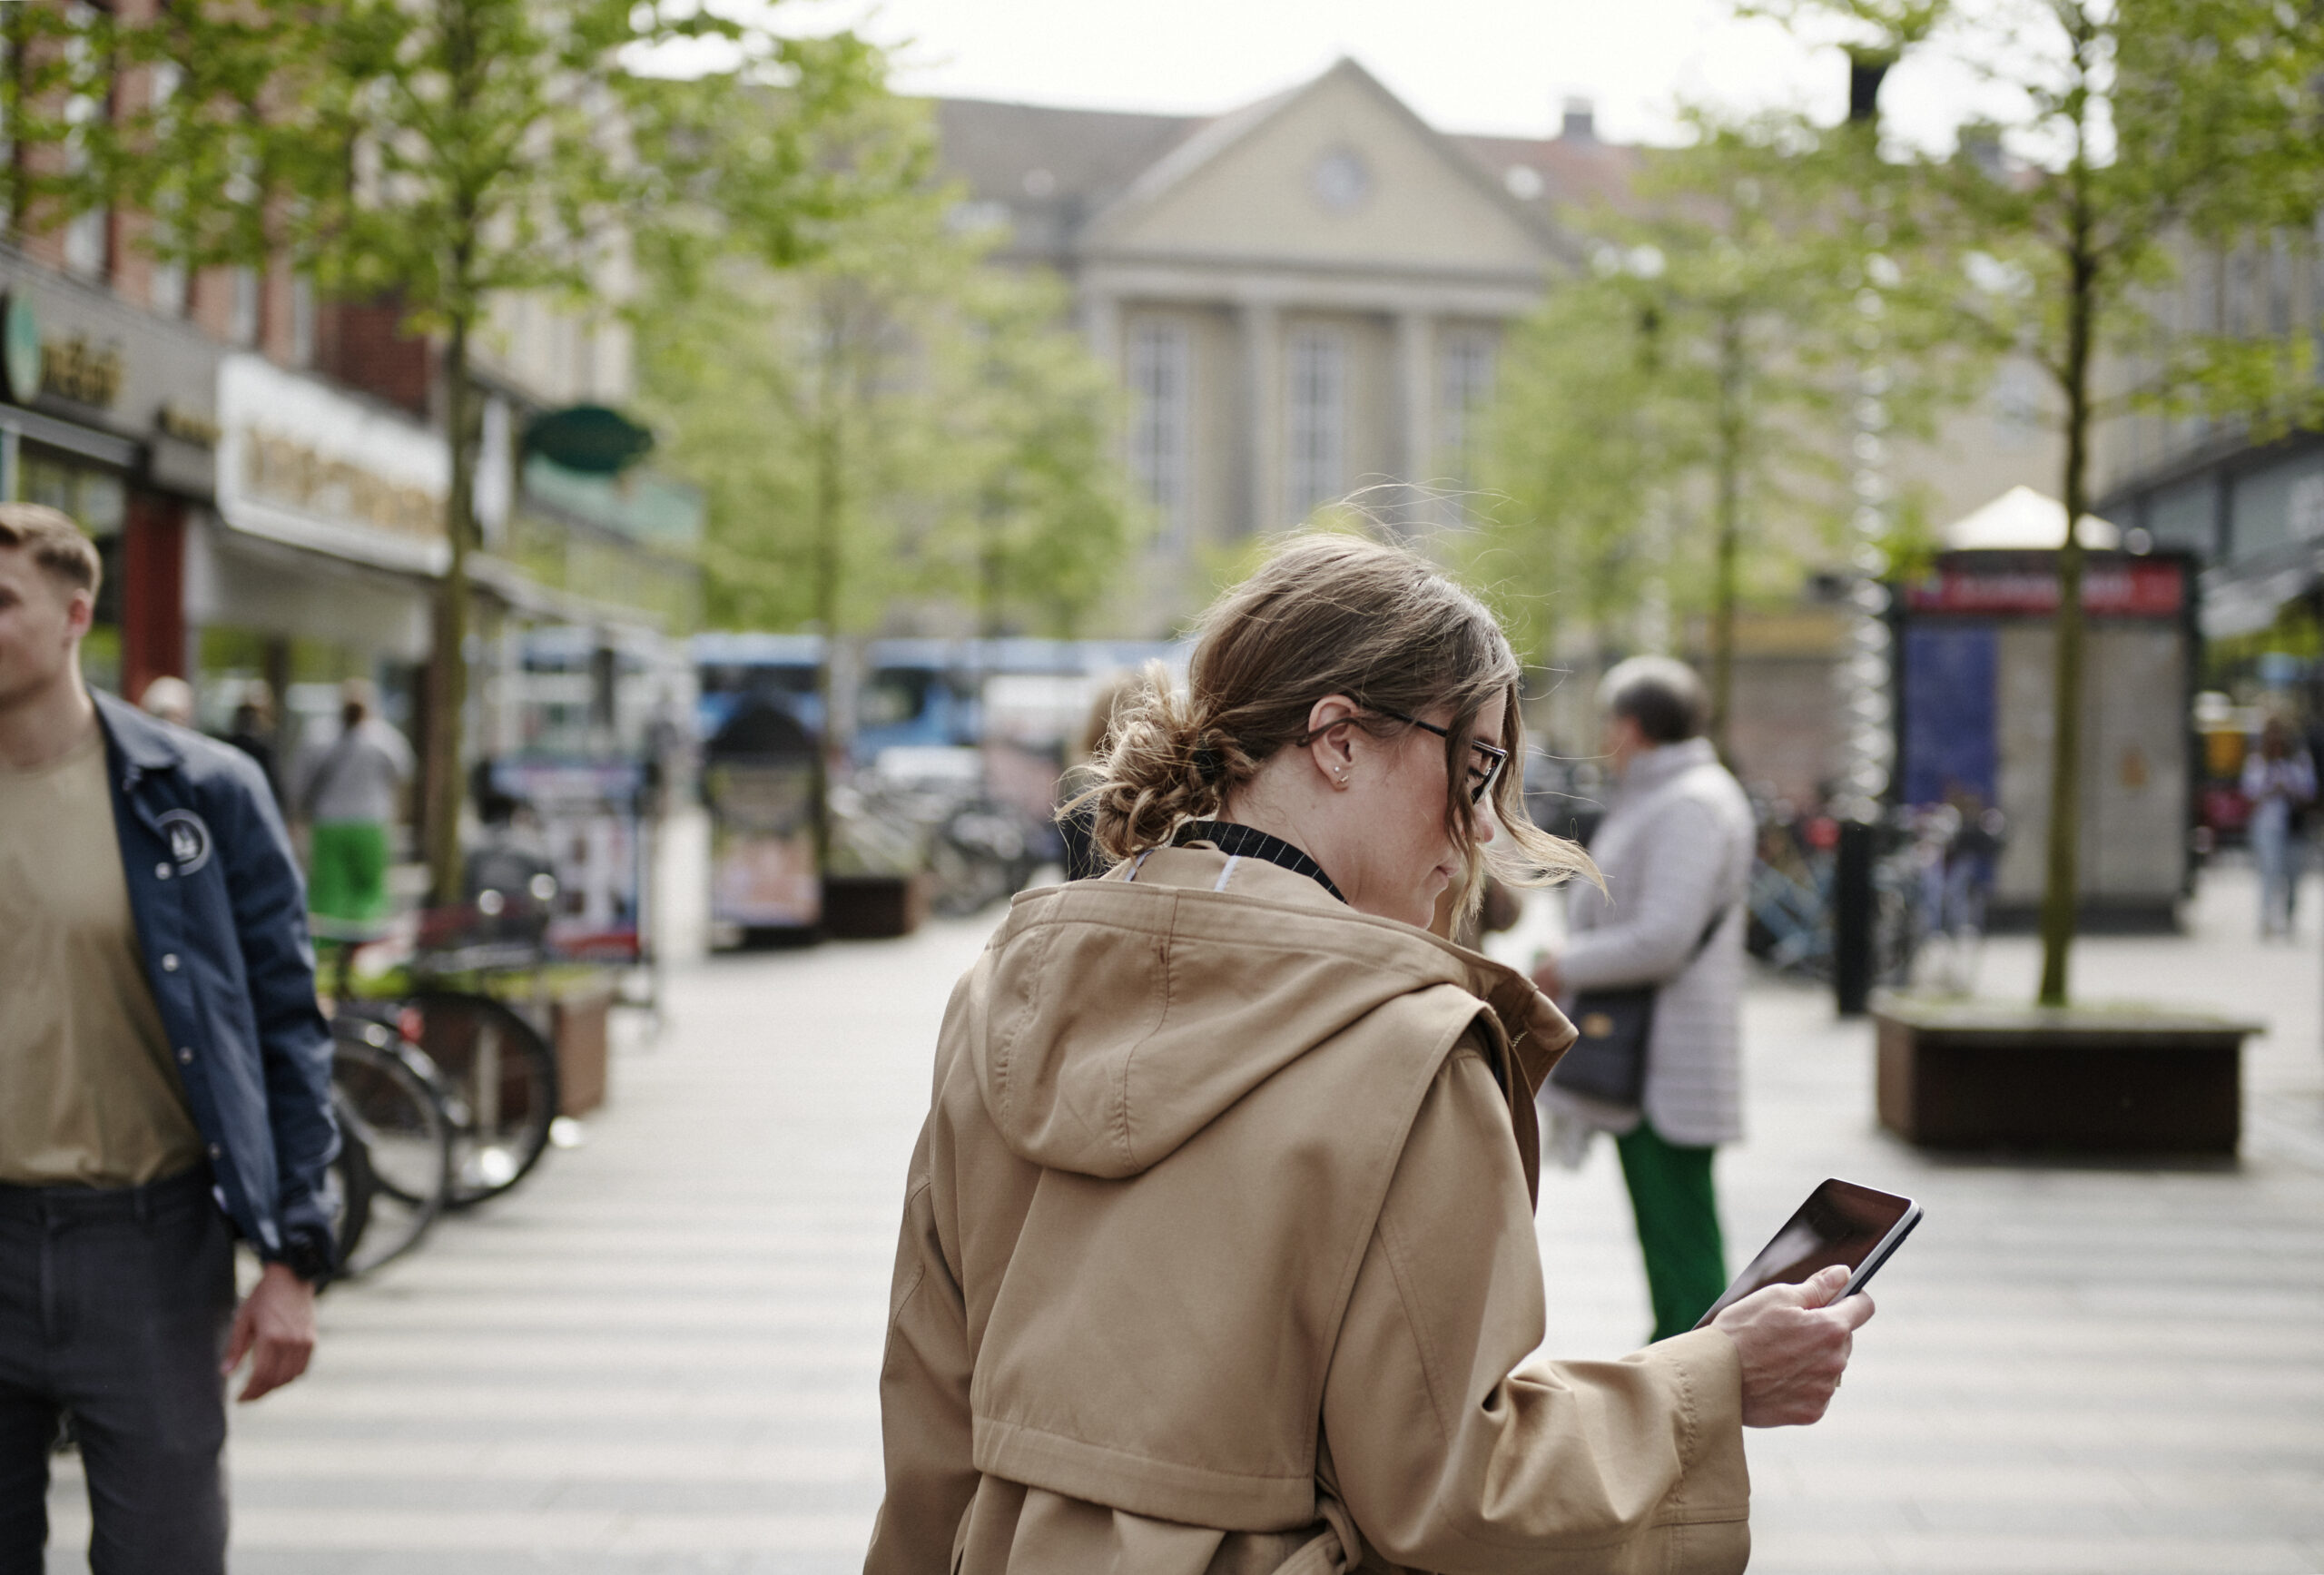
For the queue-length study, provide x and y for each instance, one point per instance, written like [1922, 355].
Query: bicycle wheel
[351, 1170]
[502, 1076]
[395, 1107]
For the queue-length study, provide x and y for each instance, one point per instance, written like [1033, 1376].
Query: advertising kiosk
[1976, 713]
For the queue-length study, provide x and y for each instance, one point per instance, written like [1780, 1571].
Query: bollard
[1852, 919]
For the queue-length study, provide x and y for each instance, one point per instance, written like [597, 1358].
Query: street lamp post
[1864, 674]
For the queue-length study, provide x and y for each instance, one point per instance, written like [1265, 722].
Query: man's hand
[1795, 1341]
[275, 1327]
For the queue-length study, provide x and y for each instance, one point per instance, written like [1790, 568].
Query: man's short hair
[56, 543]
[1663, 696]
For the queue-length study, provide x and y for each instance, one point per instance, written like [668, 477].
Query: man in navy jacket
[167, 1085]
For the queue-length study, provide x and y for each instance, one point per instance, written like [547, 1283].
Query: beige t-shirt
[88, 1093]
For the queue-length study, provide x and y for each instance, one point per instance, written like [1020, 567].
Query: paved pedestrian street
[660, 1354]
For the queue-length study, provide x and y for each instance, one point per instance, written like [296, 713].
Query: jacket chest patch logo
[189, 839]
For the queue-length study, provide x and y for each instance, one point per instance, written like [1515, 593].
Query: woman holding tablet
[1217, 1250]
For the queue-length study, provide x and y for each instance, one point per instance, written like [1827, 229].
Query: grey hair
[1661, 694]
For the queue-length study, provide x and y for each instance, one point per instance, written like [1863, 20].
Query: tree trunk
[828, 500]
[2060, 891]
[1730, 527]
[990, 573]
[447, 781]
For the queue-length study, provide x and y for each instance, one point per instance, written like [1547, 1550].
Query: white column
[1260, 326]
[1415, 410]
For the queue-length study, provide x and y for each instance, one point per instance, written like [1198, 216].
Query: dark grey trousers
[114, 1305]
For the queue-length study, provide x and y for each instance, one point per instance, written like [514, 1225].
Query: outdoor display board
[758, 779]
[1975, 717]
[763, 844]
[584, 814]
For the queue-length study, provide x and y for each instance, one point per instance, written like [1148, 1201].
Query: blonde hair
[56, 543]
[1326, 614]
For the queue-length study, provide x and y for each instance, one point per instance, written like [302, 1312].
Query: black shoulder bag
[1608, 1062]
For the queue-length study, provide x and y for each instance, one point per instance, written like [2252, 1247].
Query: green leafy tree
[2141, 124]
[52, 87]
[1695, 378]
[892, 419]
[447, 155]
[1033, 420]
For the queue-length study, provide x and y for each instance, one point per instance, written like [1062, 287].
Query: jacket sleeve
[270, 903]
[1453, 1450]
[924, 1421]
[1658, 912]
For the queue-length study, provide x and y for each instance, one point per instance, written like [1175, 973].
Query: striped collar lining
[1247, 842]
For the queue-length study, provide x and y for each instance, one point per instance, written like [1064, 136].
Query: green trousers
[1678, 1227]
[348, 875]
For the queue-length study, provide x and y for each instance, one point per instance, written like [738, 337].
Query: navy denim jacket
[222, 916]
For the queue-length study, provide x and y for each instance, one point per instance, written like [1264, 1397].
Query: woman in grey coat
[1675, 848]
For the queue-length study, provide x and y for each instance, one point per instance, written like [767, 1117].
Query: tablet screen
[1840, 1223]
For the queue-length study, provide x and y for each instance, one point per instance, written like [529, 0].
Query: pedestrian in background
[170, 699]
[1217, 1250]
[2279, 781]
[347, 789]
[1675, 847]
[253, 732]
[163, 1060]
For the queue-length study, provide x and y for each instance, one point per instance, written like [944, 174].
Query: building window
[302, 321]
[1318, 425]
[1465, 373]
[88, 235]
[170, 290]
[1161, 388]
[170, 293]
[2017, 404]
[243, 328]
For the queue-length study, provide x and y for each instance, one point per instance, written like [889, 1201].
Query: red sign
[2028, 584]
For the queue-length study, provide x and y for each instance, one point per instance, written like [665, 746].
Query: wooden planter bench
[2097, 1079]
[874, 907]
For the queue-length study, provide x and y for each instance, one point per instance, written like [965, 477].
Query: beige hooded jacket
[1219, 1257]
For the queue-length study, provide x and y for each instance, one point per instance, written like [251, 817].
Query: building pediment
[1337, 174]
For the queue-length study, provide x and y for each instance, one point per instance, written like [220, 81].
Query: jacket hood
[1120, 1018]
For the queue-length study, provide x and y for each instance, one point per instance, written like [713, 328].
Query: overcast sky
[1468, 65]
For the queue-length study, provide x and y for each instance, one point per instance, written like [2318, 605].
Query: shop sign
[302, 462]
[20, 349]
[2028, 585]
[87, 374]
[187, 426]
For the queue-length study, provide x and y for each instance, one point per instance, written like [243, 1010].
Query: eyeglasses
[1496, 757]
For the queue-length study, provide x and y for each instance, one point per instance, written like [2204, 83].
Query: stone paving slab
[660, 1356]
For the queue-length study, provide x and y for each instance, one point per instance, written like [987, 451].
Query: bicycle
[498, 1069]
[397, 1117]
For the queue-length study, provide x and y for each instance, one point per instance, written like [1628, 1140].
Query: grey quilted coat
[1676, 848]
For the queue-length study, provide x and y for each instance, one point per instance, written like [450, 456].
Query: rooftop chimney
[1580, 122]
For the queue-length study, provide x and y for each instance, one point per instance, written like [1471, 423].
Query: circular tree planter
[2085, 1079]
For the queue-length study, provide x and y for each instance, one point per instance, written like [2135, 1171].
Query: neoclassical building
[1304, 297]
